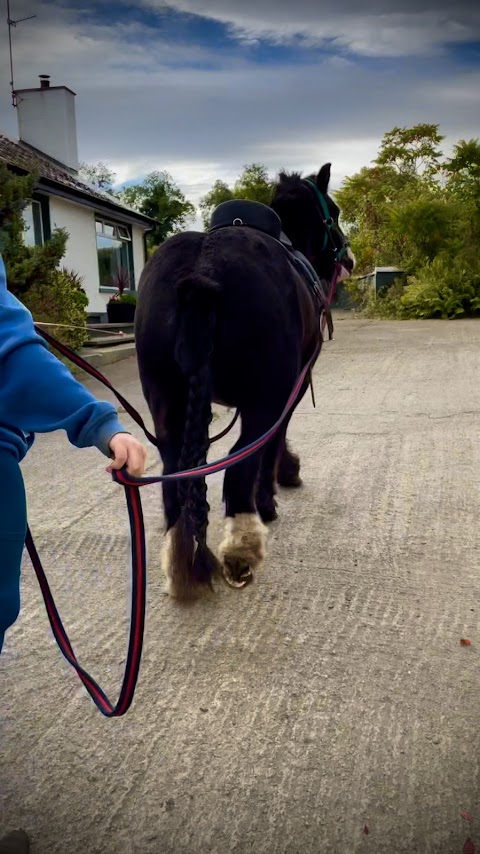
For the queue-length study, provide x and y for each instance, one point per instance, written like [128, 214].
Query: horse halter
[329, 224]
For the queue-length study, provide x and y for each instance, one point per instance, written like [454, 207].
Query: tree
[99, 175]
[394, 210]
[253, 183]
[412, 151]
[33, 273]
[219, 193]
[415, 210]
[159, 197]
[26, 265]
[463, 170]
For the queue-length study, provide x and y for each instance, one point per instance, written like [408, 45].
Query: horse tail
[193, 564]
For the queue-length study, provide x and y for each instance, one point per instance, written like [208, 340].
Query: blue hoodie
[38, 394]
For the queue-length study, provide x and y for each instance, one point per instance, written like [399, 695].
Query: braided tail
[194, 565]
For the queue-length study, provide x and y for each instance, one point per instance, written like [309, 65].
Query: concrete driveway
[330, 698]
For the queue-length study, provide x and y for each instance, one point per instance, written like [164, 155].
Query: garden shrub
[445, 288]
[61, 300]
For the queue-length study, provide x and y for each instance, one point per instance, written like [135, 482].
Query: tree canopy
[100, 175]
[416, 209]
[53, 295]
[254, 183]
[159, 197]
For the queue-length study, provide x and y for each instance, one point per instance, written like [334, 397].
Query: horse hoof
[268, 514]
[294, 482]
[236, 573]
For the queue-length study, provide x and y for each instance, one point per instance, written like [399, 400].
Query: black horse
[227, 317]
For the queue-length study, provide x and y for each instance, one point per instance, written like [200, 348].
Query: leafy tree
[159, 197]
[412, 151]
[26, 265]
[407, 167]
[99, 175]
[416, 210]
[463, 171]
[15, 194]
[253, 183]
[33, 272]
[219, 193]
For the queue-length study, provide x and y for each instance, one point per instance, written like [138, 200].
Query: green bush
[358, 294]
[52, 295]
[384, 304]
[445, 288]
[129, 297]
[62, 300]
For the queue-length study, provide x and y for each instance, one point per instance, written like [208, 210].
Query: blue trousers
[13, 528]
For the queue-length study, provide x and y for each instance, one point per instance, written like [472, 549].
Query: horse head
[310, 219]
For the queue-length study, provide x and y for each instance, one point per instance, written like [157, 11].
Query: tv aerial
[11, 24]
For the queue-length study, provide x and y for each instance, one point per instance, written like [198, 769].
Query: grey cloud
[376, 28]
[133, 109]
[217, 117]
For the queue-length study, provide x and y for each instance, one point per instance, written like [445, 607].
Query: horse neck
[301, 238]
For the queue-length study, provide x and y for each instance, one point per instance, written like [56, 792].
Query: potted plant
[122, 304]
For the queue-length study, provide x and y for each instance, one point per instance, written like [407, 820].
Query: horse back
[262, 311]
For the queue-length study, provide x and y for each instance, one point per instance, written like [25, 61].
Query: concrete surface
[330, 695]
[102, 356]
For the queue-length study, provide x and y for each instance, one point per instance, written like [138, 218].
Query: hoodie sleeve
[38, 394]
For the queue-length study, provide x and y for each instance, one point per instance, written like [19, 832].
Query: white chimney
[47, 121]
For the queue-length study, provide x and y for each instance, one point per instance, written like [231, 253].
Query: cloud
[147, 102]
[387, 28]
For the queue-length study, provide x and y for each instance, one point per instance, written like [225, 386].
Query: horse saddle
[246, 213]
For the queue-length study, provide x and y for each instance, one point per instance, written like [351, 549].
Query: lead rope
[137, 531]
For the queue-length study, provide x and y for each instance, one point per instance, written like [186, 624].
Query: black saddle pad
[247, 213]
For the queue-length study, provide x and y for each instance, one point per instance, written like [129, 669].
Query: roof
[61, 181]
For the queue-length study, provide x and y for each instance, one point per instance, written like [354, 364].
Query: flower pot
[121, 312]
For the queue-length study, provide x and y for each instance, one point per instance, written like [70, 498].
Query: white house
[105, 236]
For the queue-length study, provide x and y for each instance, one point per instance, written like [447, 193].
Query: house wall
[81, 254]
[138, 252]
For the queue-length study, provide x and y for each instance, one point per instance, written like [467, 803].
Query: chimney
[47, 121]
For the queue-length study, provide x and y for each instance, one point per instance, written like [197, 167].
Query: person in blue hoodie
[38, 394]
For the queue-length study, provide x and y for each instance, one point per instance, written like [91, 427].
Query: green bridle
[327, 222]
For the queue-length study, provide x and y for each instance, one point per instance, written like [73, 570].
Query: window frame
[126, 238]
[42, 204]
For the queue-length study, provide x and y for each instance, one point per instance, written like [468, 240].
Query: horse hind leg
[169, 420]
[279, 465]
[188, 566]
[243, 549]
[288, 468]
[179, 553]
[266, 504]
[288, 463]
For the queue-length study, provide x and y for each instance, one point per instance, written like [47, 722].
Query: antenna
[11, 23]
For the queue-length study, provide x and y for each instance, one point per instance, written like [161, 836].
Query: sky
[202, 87]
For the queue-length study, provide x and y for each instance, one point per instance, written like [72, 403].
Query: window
[33, 234]
[115, 256]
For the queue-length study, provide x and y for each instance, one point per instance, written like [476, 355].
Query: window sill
[105, 289]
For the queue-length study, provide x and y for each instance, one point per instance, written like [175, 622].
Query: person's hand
[127, 450]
